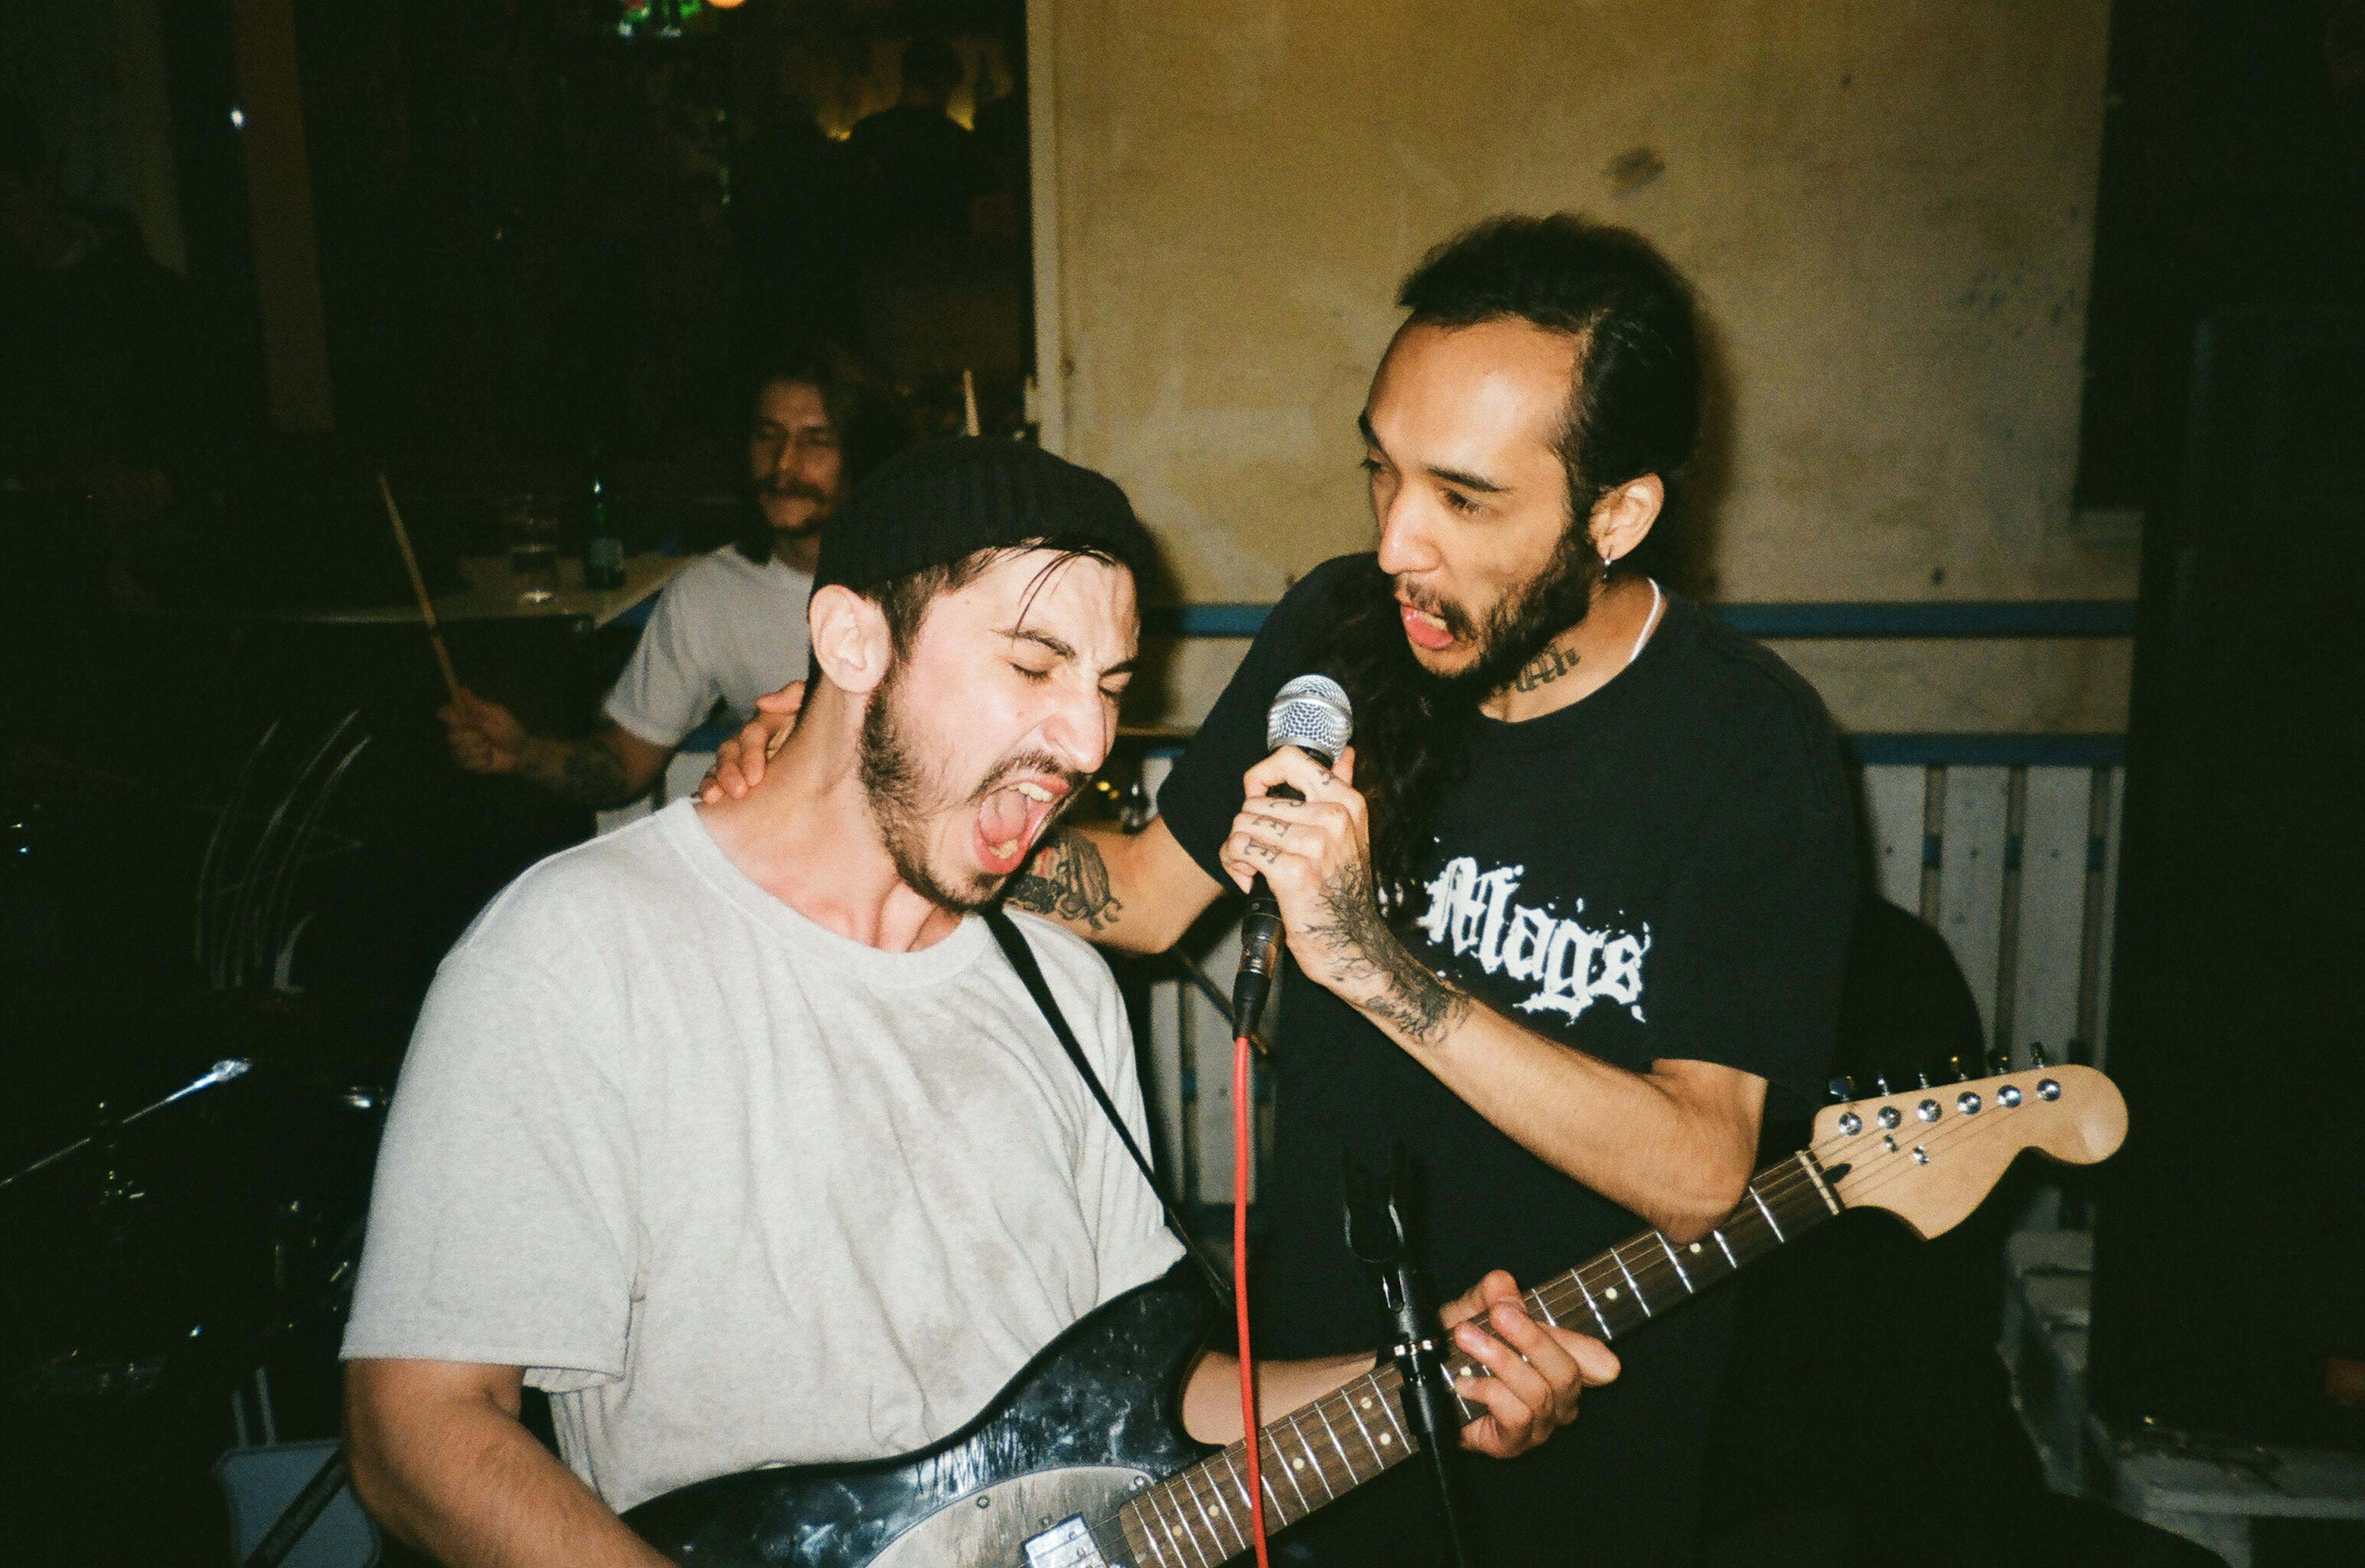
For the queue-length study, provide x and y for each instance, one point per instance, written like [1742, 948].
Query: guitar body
[1094, 1417]
[1081, 1461]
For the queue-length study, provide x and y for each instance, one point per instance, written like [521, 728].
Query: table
[491, 594]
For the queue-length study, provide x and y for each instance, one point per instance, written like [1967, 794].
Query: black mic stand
[1378, 1240]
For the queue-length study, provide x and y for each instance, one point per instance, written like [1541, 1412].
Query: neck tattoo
[1554, 662]
[1543, 669]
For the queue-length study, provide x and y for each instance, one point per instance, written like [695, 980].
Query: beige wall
[1885, 204]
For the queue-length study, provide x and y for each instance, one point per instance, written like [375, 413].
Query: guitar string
[1595, 1282]
[1782, 1183]
[1794, 1177]
[1777, 1189]
[1875, 1179]
[1940, 1093]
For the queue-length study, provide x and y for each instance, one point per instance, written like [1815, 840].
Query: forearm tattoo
[592, 773]
[1069, 881]
[1411, 998]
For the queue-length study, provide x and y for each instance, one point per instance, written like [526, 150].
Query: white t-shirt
[736, 1189]
[724, 630]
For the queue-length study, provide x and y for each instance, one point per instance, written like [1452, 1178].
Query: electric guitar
[1081, 1461]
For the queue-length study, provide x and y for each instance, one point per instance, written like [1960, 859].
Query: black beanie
[944, 501]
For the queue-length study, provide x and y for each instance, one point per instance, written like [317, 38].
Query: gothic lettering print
[1570, 965]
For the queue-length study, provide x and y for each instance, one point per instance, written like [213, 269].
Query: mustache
[1036, 764]
[792, 489]
[1457, 620]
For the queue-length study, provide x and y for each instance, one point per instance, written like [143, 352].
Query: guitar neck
[1355, 1433]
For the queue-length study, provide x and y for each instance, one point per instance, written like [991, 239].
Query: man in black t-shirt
[1573, 908]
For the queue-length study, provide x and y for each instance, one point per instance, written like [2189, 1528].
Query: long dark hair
[870, 418]
[1633, 408]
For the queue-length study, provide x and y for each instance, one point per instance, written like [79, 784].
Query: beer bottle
[603, 544]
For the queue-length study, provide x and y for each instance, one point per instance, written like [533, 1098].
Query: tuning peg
[2037, 1054]
[1880, 1084]
[1841, 1088]
[1999, 1058]
[1922, 1078]
[1962, 1073]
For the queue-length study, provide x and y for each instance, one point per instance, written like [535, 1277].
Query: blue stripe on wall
[1934, 750]
[1843, 619]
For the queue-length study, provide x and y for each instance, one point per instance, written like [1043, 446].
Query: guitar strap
[1021, 958]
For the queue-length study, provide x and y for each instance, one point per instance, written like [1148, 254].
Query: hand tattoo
[1543, 669]
[1069, 881]
[1411, 998]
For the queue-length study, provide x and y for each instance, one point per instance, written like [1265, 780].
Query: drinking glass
[530, 524]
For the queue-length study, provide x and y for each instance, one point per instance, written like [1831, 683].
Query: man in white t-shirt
[736, 1132]
[730, 625]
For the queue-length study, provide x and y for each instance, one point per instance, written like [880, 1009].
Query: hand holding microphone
[1311, 713]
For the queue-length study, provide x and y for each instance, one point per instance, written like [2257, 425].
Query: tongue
[1006, 821]
[1002, 817]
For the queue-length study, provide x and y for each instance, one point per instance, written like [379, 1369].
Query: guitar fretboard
[1199, 1516]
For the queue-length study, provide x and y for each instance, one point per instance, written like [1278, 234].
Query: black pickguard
[1106, 1392]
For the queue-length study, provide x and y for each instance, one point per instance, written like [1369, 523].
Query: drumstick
[418, 586]
[968, 402]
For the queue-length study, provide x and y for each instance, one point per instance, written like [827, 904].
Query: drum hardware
[246, 890]
[72, 1375]
[222, 1071]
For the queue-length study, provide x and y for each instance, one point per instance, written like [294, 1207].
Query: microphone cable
[1242, 1121]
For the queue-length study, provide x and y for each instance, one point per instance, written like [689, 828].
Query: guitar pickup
[1067, 1544]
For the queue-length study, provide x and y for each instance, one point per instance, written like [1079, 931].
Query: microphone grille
[1313, 714]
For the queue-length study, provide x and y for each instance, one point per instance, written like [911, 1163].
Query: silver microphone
[1313, 714]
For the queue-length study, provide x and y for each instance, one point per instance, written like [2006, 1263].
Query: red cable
[1241, 1123]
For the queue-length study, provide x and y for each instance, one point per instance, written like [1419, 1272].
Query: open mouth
[1010, 819]
[1425, 630]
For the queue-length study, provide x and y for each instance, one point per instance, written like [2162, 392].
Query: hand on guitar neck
[1533, 1380]
[1077, 1463]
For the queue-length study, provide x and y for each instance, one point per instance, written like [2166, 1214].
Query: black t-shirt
[1664, 869]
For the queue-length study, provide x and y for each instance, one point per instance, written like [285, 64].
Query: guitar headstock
[1930, 1155]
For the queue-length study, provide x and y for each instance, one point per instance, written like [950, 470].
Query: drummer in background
[730, 626]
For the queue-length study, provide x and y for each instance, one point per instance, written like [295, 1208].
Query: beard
[906, 794]
[1519, 625]
[1412, 725]
[792, 490]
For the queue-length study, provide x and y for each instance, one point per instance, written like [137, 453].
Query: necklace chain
[1650, 622]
